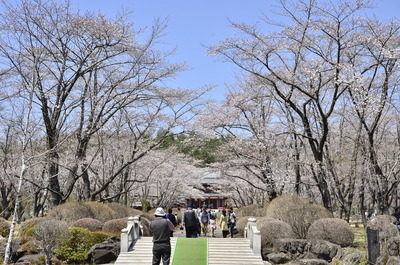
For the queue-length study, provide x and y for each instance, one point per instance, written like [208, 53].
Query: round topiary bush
[115, 226]
[27, 228]
[334, 230]
[88, 223]
[70, 212]
[99, 211]
[255, 210]
[298, 212]
[241, 223]
[272, 229]
[4, 227]
[122, 211]
[73, 211]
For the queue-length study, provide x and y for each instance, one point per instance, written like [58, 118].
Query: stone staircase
[221, 251]
[231, 251]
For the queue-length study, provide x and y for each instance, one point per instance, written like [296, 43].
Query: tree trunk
[320, 178]
[54, 185]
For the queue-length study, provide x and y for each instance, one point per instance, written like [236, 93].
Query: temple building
[211, 192]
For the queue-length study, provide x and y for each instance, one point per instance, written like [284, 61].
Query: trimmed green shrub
[99, 236]
[88, 223]
[115, 226]
[334, 230]
[4, 227]
[77, 243]
[298, 212]
[272, 229]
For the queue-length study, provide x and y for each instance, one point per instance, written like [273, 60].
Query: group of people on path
[199, 224]
[195, 224]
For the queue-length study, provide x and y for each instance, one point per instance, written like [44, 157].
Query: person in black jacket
[191, 222]
[161, 228]
[172, 218]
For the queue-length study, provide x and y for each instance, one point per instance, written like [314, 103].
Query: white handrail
[251, 232]
[131, 233]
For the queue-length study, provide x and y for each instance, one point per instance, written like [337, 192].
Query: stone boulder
[310, 262]
[278, 258]
[30, 259]
[265, 252]
[353, 258]
[105, 252]
[308, 249]
[325, 250]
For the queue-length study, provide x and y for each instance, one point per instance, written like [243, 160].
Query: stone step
[221, 251]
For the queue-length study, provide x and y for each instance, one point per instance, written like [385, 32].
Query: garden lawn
[191, 251]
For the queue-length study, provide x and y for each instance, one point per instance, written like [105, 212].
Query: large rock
[388, 260]
[308, 249]
[265, 252]
[352, 258]
[393, 246]
[106, 251]
[325, 250]
[30, 259]
[310, 262]
[278, 258]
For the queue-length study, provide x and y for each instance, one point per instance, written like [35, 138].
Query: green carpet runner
[191, 251]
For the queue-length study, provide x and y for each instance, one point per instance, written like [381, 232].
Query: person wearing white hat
[161, 228]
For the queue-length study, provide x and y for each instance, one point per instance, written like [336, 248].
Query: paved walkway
[182, 233]
[221, 251]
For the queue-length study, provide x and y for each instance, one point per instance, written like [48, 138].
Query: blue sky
[193, 24]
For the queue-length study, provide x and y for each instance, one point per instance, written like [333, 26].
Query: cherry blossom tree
[310, 65]
[245, 120]
[87, 69]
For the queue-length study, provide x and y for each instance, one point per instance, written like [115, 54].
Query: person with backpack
[231, 221]
[205, 221]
